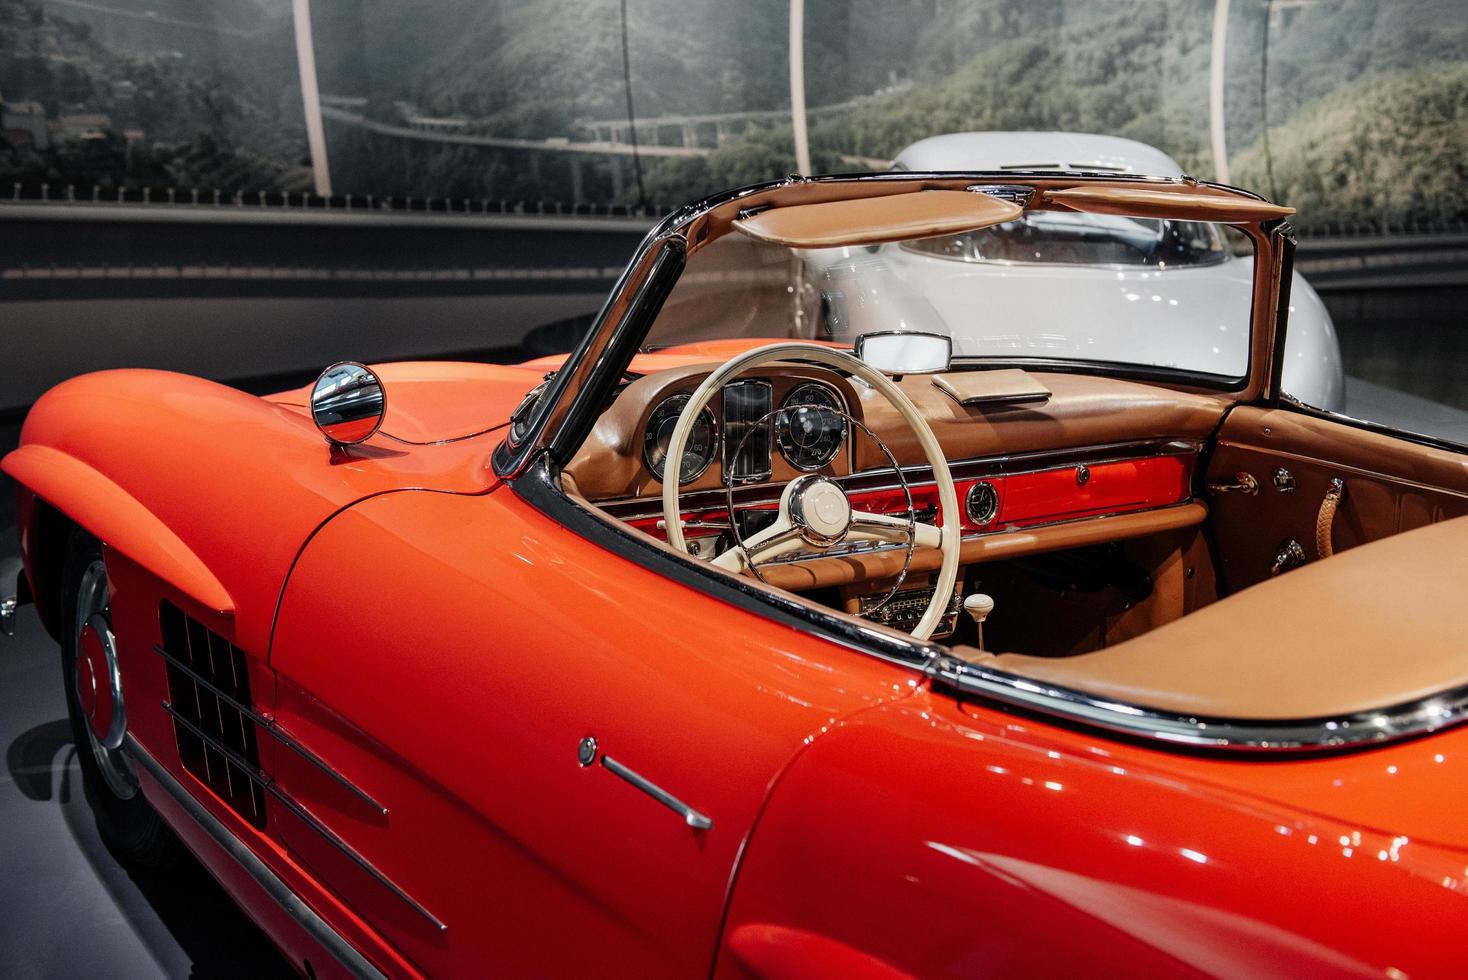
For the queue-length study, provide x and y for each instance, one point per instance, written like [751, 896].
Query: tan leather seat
[1379, 625]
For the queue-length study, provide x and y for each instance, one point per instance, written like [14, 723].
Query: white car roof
[1036, 151]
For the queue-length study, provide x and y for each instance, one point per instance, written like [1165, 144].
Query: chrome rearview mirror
[347, 403]
[905, 351]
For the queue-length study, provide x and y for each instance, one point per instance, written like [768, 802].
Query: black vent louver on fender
[216, 739]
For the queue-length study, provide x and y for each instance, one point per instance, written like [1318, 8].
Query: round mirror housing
[347, 403]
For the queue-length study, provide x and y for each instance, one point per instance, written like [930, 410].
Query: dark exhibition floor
[68, 909]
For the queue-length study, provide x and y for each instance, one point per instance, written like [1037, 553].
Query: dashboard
[767, 428]
[808, 430]
[1103, 458]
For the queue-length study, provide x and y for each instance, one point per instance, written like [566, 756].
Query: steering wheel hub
[820, 510]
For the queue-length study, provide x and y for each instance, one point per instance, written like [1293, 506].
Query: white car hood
[1192, 319]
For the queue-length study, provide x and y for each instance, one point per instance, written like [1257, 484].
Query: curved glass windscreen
[1084, 239]
[1054, 287]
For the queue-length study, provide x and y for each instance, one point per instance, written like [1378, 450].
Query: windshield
[1088, 289]
[1084, 239]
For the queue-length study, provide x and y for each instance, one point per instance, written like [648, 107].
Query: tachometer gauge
[811, 427]
[698, 453]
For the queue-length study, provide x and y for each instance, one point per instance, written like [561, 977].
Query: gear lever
[979, 606]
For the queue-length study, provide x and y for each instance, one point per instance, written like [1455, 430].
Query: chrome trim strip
[274, 730]
[270, 786]
[316, 927]
[690, 816]
[1231, 735]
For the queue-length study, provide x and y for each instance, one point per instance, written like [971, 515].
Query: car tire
[128, 825]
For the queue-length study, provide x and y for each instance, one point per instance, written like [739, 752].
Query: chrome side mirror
[347, 403]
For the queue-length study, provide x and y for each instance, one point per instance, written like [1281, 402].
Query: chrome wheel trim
[94, 607]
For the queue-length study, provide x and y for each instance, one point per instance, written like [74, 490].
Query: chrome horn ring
[810, 526]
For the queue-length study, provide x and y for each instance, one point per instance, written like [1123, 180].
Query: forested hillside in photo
[1351, 110]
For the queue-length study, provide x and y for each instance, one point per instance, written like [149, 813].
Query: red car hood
[437, 401]
[433, 401]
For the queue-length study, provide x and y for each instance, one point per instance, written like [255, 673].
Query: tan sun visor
[1137, 202]
[877, 220]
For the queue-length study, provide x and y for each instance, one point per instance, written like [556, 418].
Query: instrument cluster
[807, 429]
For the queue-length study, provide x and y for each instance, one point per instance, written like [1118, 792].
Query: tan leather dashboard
[610, 463]
[1081, 411]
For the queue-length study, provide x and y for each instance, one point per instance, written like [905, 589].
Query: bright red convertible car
[788, 627]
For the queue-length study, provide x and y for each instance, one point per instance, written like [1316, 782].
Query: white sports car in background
[1129, 290]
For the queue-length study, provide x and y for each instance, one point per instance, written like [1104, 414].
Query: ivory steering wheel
[814, 514]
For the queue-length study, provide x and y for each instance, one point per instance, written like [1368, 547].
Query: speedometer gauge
[698, 452]
[811, 427]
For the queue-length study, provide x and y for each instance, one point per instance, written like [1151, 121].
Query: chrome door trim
[690, 816]
[316, 927]
[270, 786]
[275, 731]
[1231, 735]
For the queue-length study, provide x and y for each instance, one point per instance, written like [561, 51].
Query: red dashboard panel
[1088, 491]
[1021, 499]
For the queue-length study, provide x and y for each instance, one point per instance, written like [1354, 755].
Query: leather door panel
[1391, 485]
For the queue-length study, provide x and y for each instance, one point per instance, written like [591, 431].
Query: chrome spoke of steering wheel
[783, 537]
[779, 538]
[893, 530]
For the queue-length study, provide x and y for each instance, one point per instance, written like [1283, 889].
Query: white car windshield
[1084, 239]
[1052, 287]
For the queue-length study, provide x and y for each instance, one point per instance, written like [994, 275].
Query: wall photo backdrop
[1354, 111]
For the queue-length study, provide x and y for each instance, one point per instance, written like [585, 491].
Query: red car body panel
[446, 647]
[534, 862]
[135, 595]
[1025, 849]
[239, 483]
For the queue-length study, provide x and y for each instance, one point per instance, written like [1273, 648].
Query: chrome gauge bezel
[988, 513]
[648, 440]
[782, 425]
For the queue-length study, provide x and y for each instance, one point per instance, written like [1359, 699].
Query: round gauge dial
[811, 427]
[698, 453]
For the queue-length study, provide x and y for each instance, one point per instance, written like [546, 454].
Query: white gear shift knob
[979, 606]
